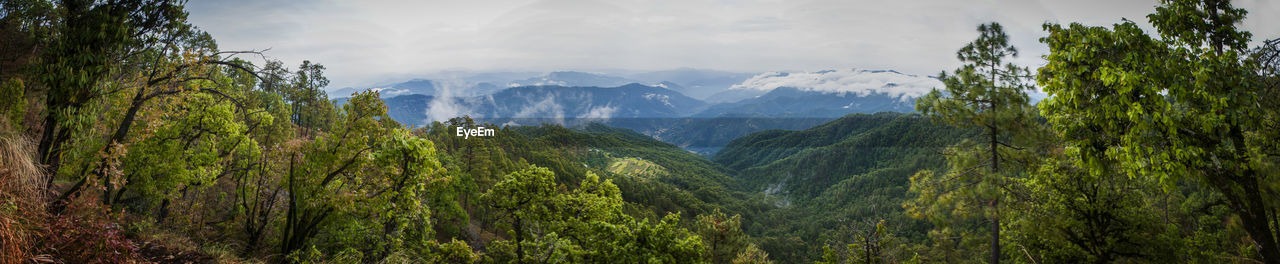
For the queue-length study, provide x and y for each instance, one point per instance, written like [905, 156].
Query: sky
[368, 42]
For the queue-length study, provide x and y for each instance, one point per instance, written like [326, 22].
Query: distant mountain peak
[572, 79]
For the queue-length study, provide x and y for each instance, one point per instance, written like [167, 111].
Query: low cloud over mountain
[860, 82]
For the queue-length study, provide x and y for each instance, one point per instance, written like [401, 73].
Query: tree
[89, 40]
[368, 172]
[201, 143]
[1073, 215]
[97, 53]
[989, 94]
[312, 109]
[524, 198]
[1186, 105]
[870, 242]
[585, 225]
[723, 236]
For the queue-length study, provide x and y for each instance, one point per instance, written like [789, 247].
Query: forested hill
[763, 147]
[792, 191]
[654, 178]
[836, 176]
[801, 164]
[654, 175]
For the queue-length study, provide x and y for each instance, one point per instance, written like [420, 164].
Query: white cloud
[365, 42]
[545, 108]
[602, 113]
[860, 82]
[443, 104]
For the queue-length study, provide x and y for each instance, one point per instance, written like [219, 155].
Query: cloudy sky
[368, 42]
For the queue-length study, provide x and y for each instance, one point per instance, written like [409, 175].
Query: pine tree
[988, 94]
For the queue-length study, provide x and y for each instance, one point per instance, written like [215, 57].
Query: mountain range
[531, 105]
[696, 83]
[660, 109]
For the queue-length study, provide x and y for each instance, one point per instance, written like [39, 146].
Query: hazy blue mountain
[661, 111]
[827, 93]
[734, 95]
[655, 112]
[573, 79]
[462, 83]
[484, 88]
[415, 86]
[696, 83]
[476, 84]
[531, 105]
[497, 78]
[627, 101]
[792, 102]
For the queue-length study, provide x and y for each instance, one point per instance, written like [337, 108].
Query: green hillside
[800, 165]
[678, 182]
[824, 178]
[654, 178]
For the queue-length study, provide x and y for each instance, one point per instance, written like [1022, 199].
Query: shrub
[87, 234]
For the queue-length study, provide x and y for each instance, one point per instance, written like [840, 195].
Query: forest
[128, 136]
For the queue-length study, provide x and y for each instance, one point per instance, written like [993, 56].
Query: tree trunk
[46, 147]
[51, 148]
[1253, 212]
[1256, 222]
[995, 234]
[995, 203]
[519, 239]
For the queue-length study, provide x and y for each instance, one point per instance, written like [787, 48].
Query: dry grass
[19, 173]
[19, 197]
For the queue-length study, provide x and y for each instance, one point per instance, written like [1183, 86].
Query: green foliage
[679, 182]
[204, 132]
[853, 169]
[858, 144]
[768, 146]
[583, 225]
[368, 174]
[1076, 216]
[87, 41]
[1187, 105]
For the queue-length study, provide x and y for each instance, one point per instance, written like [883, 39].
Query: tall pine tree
[988, 94]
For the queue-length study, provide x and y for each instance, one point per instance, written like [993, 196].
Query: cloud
[601, 113]
[545, 108]
[860, 82]
[377, 41]
[444, 105]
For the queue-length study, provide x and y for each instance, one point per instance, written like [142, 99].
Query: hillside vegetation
[128, 136]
